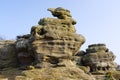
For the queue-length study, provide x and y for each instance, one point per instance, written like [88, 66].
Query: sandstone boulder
[52, 42]
[98, 58]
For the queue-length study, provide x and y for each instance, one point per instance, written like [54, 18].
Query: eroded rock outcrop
[51, 46]
[99, 58]
[51, 50]
[8, 57]
[51, 43]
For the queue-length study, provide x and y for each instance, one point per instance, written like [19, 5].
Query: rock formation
[8, 55]
[51, 46]
[99, 58]
[52, 42]
[51, 52]
[24, 54]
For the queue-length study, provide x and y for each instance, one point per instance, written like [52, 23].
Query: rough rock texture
[8, 56]
[50, 52]
[60, 73]
[50, 46]
[52, 42]
[24, 54]
[98, 58]
[116, 74]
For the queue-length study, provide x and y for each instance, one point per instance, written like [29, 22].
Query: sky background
[97, 20]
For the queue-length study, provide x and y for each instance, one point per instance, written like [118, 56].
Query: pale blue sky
[97, 20]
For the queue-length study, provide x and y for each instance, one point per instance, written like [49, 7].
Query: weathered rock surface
[51, 50]
[24, 54]
[8, 56]
[98, 58]
[59, 73]
[51, 42]
[51, 46]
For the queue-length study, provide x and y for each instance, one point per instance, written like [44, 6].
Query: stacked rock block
[52, 41]
[99, 58]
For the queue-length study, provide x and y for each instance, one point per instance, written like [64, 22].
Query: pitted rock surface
[98, 57]
[53, 46]
[52, 41]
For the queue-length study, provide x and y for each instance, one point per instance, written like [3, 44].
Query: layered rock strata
[52, 42]
[99, 58]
